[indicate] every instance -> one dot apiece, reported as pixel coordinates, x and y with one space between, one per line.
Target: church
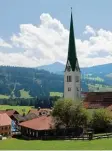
72 79
72 74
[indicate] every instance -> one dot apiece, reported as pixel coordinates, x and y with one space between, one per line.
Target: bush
70 114
101 119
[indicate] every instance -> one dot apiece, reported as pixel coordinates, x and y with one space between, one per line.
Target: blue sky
96 14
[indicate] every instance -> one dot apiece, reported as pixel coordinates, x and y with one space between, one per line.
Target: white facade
72 83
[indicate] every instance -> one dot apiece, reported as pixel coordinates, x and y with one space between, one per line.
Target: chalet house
83 95
36 128
9 112
43 128
98 100
5 125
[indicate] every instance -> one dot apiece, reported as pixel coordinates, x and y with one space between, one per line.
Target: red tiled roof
5 119
40 123
9 112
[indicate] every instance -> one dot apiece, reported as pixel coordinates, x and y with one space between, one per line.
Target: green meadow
17 108
25 94
56 94
17 144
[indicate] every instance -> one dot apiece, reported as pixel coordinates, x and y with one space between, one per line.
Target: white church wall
75 92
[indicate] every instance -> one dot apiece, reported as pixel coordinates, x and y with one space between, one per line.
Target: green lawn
99 87
14 144
17 108
56 94
24 94
4 96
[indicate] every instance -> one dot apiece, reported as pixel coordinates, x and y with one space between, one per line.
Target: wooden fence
83 137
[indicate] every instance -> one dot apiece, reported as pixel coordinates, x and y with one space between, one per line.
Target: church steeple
72 75
72 56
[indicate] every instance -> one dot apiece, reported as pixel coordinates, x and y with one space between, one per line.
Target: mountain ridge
58 67
34 82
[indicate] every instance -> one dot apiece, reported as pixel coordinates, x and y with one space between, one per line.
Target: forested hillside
30 82
19 81
95 78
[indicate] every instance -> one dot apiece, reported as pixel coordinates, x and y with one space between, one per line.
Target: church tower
72 75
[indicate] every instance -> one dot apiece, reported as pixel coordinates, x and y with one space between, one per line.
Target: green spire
72 57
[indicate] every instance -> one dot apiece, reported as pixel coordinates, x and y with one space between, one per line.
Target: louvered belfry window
69 78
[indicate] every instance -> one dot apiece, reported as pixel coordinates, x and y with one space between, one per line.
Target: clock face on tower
68 68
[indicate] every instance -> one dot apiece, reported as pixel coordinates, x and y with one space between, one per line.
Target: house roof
27 117
5 119
18 117
9 112
40 123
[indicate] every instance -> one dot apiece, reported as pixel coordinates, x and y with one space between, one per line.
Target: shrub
101 118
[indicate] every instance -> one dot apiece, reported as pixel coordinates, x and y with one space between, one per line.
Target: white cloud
4 44
48 42
89 30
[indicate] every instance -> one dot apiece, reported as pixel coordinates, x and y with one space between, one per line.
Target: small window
77 89
36 134
69 89
6 128
69 78
77 78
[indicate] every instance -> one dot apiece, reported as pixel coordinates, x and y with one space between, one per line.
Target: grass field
99 87
3 96
14 144
24 94
17 108
56 94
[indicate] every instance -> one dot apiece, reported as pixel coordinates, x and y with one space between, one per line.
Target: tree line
46 102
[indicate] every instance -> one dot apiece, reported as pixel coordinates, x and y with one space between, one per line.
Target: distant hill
98 78
28 82
59 68
56 67
105 69
35 82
